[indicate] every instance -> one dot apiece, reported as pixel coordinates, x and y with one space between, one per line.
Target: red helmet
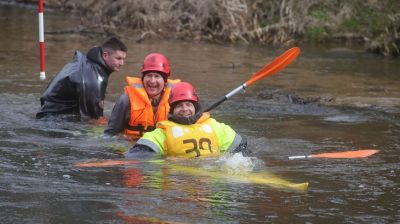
156 62
183 91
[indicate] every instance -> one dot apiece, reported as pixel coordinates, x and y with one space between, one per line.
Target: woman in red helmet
189 132
145 101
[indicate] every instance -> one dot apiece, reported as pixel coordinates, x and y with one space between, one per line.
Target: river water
330 99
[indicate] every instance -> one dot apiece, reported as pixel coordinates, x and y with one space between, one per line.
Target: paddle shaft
299 157
227 96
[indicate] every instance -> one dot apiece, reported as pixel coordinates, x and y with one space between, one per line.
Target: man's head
183 100
155 72
114 53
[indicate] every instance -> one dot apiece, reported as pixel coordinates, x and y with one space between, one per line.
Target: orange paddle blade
347 154
106 163
279 63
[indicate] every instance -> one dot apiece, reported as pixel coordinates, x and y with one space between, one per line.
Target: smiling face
184 109
114 59
153 84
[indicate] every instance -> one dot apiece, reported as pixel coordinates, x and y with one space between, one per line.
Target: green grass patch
365 19
319 13
315 34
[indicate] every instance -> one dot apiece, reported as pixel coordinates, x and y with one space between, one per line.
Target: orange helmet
156 62
182 91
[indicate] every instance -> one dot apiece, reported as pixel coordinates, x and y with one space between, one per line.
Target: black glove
242 147
139 152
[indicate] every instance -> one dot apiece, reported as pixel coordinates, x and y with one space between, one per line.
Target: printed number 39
195 147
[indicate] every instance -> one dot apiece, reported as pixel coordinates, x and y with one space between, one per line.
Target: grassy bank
371 23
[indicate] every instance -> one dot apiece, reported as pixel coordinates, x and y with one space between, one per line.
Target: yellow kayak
264 178
248 177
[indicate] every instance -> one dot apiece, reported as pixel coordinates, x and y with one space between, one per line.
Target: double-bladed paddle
277 64
339 155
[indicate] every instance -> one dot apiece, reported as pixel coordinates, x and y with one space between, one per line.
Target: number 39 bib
190 140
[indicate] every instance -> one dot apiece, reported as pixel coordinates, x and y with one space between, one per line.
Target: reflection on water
327 100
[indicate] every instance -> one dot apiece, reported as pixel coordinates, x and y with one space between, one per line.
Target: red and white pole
41 41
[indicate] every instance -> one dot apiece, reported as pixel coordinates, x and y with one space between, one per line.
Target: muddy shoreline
374 25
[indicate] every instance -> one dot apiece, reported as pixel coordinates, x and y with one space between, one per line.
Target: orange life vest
142 117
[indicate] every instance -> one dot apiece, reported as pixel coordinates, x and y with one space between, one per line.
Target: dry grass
372 22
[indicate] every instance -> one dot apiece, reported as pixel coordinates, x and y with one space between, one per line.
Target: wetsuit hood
95 55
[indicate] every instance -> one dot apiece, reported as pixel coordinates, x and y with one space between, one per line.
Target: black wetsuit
120 116
79 88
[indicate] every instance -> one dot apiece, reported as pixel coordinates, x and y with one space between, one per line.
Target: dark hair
163 75
114 44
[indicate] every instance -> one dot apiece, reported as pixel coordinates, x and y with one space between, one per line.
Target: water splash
237 163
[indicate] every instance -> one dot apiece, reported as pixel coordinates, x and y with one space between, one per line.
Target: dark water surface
328 100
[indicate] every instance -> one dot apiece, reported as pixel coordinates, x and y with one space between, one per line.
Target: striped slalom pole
41 41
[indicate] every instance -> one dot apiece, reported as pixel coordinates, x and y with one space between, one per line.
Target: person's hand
242 147
101 121
139 151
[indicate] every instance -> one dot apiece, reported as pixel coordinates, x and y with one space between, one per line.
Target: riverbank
372 24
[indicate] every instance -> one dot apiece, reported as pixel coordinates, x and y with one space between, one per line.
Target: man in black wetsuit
80 87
